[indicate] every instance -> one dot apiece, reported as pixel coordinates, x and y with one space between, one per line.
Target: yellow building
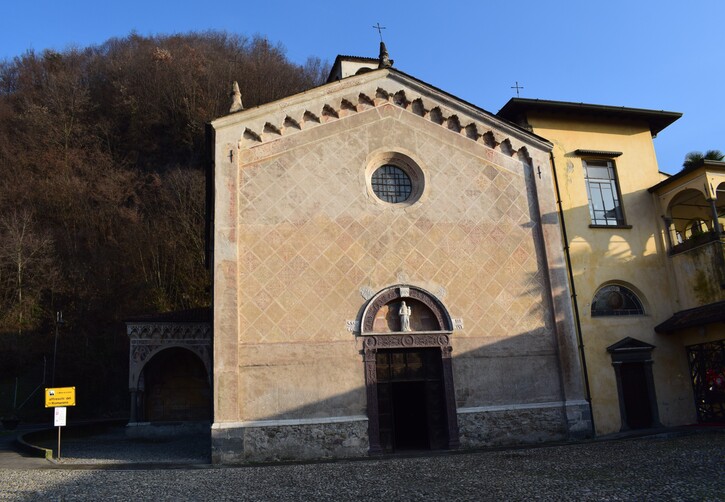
636 260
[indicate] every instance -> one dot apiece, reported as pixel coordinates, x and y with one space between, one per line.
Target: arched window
616 300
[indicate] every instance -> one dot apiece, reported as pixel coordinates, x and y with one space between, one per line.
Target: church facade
388 275
395 269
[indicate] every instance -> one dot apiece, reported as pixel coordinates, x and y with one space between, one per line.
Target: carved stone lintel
404 340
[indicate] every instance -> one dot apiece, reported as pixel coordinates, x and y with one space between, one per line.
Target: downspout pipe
575 305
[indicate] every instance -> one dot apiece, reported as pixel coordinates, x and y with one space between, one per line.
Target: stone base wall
501 426
270 441
288 441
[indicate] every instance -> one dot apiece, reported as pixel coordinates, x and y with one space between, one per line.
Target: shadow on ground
110 444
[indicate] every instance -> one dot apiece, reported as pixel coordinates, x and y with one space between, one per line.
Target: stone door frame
632 351
372 342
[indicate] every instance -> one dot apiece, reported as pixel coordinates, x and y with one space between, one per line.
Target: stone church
388 275
395 269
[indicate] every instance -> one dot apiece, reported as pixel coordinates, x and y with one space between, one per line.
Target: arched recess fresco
408 371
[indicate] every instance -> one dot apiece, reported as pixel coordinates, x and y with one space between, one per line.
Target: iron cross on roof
380 30
517 87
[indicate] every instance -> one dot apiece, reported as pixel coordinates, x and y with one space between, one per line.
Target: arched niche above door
383 312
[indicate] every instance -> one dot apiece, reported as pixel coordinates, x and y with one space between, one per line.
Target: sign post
59 398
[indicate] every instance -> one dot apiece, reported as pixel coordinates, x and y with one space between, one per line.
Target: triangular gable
337 100
628 345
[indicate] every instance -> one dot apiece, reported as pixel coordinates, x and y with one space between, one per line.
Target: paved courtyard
665 467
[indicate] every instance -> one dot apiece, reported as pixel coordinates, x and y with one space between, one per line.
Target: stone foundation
308 439
273 440
522 424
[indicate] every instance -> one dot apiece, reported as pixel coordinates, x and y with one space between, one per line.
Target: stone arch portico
149 336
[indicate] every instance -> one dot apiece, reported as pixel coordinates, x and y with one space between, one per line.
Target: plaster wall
634 257
301 242
709 333
699 273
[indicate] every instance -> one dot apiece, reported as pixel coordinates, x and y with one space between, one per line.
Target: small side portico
170 368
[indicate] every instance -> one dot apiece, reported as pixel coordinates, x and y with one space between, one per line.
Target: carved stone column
371 388
715 218
451 414
668 232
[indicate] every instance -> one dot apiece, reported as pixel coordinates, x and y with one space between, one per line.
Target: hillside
102 203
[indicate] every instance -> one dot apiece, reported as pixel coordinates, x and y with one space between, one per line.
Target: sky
660 55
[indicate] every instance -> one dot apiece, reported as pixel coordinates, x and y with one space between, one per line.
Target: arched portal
408 371
156 342
176 387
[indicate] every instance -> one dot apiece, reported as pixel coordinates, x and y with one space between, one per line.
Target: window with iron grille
707 369
603 193
391 184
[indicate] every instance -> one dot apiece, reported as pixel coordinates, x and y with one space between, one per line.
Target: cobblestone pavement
665 467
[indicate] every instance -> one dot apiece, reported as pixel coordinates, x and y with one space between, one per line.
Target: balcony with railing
692 205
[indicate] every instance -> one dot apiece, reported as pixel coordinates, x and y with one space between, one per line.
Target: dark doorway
177 387
411 401
636 396
632 362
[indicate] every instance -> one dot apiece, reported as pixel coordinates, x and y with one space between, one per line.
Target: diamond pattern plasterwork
310 238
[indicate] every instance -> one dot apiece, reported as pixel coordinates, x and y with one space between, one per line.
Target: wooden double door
411 399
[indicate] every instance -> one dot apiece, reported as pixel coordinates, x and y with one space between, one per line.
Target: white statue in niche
404 314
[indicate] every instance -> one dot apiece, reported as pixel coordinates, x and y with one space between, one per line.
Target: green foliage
696 159
102 196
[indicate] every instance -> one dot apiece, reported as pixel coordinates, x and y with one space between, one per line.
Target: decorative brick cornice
337 101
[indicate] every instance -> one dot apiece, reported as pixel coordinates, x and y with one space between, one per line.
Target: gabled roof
692 318
342 97
517 108
716 165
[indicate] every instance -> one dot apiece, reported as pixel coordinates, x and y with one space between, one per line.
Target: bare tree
27 267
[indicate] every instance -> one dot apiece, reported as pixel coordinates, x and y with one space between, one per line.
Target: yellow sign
60 396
